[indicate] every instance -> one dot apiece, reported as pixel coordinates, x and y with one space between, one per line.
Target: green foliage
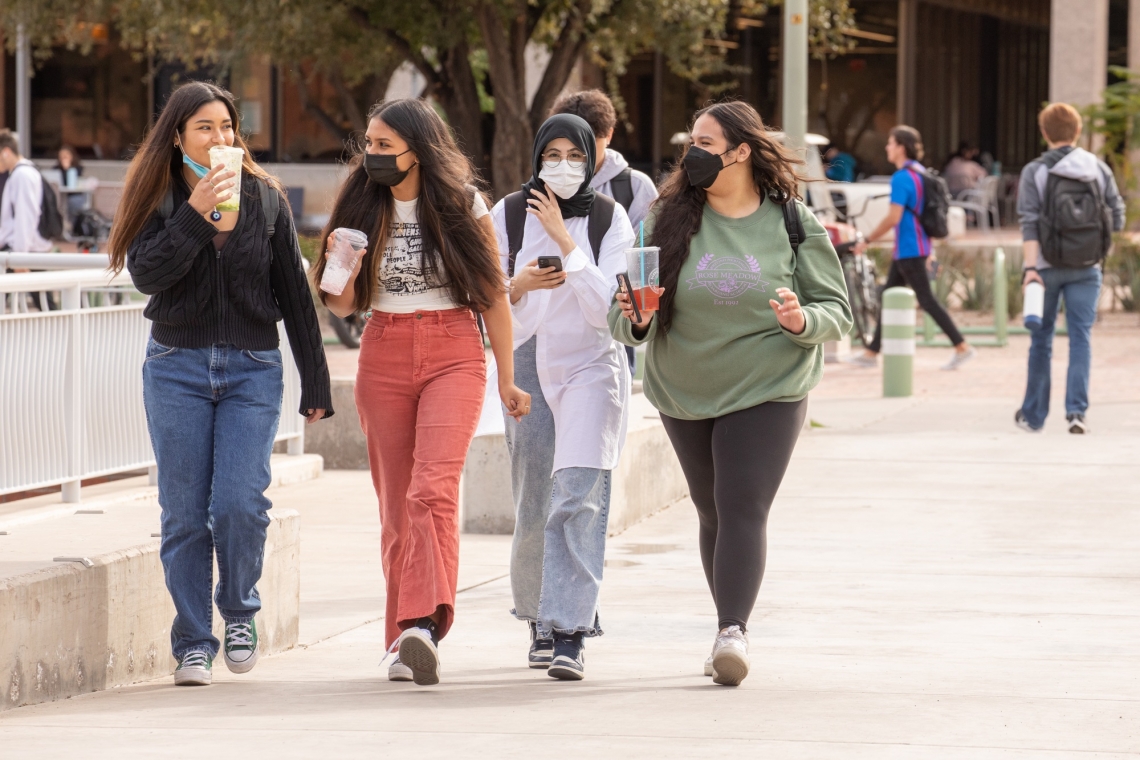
1122 274
830 19
1116 119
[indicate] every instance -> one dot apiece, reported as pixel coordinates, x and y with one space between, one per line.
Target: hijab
576 130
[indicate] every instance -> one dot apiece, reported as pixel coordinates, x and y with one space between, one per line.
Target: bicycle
858 273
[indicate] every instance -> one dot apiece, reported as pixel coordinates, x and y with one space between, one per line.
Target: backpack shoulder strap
793 225
166 208
270 205
514 209
622 188
601 217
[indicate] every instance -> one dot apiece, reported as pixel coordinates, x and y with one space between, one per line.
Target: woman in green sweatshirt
736 345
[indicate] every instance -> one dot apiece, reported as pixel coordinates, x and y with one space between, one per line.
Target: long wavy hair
158 162
679 209
453 241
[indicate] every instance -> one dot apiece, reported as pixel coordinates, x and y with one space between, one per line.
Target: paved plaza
939 585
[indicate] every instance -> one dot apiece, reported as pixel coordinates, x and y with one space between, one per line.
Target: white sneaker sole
421 657
708 667
564 672
243 667
193 677
729 668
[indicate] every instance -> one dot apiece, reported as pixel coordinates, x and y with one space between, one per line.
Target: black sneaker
1077 424
541 650
569 661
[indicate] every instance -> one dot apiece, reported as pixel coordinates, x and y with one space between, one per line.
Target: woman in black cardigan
218 282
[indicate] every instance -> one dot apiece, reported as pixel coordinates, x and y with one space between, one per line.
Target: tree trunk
511 148
459 97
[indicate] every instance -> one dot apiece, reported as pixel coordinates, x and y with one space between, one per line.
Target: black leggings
734 465
912 273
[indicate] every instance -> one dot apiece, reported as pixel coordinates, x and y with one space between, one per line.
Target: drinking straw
641 254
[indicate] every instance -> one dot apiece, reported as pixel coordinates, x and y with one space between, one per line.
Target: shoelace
195 660
239 635
395 645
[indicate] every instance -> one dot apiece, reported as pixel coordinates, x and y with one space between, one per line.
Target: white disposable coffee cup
342 259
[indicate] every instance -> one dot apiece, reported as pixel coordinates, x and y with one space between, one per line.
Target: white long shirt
20 207
581 369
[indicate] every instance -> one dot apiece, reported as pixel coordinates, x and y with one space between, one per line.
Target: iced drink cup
342 259
645 276
231 159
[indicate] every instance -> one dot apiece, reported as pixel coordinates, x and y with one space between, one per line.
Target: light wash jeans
1081 290
560 522
212 415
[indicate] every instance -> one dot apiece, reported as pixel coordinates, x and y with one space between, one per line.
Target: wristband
1029 269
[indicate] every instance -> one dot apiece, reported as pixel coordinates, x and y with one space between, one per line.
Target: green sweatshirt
725 351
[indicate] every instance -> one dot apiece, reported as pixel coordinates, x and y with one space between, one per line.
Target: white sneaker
241 649
418 652
959 358
708 666
398 671
730 656
195 669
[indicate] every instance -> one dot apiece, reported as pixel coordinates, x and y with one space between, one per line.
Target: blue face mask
196 167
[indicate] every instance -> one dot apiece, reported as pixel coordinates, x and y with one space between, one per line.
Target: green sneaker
241 646
194 670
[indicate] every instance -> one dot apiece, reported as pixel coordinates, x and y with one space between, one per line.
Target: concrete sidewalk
968 591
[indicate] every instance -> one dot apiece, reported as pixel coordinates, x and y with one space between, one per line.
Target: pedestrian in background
1069 206
429 269
912 246
218 281
21 204
613 176
563 454
737 344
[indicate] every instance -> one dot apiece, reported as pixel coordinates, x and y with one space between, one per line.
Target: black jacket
201 296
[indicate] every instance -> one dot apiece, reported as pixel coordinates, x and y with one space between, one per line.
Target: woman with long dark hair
218 281
736 345
563 454
430 267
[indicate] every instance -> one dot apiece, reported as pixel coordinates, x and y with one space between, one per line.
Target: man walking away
613 176
21 203
1069 207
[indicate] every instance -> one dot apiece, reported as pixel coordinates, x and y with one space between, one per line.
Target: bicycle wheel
863 294
348 330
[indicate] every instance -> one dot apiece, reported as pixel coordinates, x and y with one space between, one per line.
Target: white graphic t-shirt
403 286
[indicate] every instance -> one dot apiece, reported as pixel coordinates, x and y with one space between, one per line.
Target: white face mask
563 180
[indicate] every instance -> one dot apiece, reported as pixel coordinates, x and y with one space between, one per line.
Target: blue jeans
559 544
212 414
1081 291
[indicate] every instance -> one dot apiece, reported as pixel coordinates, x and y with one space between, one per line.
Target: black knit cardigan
200 296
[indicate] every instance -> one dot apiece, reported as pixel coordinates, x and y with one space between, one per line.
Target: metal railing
71 405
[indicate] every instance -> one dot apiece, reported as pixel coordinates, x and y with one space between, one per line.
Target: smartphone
545 262
625 286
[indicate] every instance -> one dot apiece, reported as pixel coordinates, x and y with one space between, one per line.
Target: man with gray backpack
1069 207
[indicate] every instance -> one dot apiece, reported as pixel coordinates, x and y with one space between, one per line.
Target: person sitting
963 172
841 165
70 169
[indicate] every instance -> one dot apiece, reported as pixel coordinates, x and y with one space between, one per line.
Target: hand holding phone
545 262
626 287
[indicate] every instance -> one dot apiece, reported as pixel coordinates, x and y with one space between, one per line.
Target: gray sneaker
1077 424
960 357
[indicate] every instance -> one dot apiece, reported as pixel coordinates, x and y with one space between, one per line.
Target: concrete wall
71 629
1078 51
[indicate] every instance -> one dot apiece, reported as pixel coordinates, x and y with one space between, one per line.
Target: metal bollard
898 342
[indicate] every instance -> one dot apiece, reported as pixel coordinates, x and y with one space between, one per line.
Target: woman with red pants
430 265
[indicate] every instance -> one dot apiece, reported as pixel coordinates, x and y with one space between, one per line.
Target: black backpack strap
270 205
601 217
621 188
514 210
793 225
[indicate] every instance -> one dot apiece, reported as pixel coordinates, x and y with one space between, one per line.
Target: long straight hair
158 162
680 208
454 242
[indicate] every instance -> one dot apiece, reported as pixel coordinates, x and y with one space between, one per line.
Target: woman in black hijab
563 453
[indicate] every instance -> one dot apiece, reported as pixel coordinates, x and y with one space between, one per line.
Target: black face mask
383 170
702 167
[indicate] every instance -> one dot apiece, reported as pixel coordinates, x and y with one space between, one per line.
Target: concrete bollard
898 342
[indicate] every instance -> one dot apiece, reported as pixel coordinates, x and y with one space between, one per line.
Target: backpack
514 208
270 205
621 188
935 203
1075 225
51 220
